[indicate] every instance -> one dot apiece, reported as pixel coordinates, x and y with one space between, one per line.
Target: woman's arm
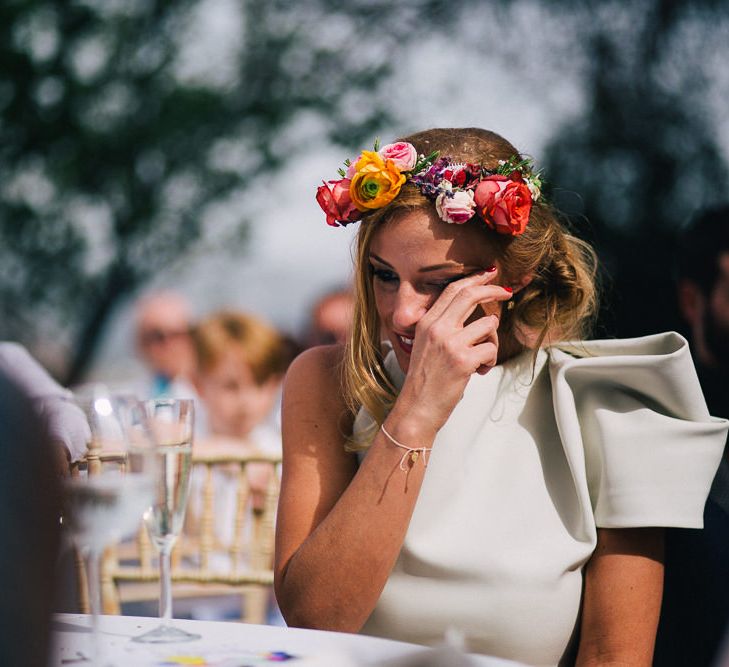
339 528
622 601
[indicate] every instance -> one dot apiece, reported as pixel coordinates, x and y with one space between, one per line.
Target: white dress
532 460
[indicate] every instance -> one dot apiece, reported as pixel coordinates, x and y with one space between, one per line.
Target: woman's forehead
417 234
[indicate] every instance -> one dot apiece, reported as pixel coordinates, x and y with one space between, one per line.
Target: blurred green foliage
112 148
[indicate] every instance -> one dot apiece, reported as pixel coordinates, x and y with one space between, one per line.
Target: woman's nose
408 308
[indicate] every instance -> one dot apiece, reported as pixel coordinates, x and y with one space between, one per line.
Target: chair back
226 545
92 464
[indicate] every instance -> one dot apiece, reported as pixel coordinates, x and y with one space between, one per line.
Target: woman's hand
453 340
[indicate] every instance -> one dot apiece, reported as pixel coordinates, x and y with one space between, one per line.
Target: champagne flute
171 421
107 505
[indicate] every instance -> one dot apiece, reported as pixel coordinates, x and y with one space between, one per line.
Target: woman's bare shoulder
319 366
315 418
314 382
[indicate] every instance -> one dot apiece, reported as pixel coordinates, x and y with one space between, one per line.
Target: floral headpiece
501 197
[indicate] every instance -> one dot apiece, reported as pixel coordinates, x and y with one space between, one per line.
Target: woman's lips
406 344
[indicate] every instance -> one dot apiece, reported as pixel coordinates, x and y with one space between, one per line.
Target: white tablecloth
234 645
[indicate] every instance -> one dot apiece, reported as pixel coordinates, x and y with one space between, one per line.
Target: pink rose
504 202
334 199
352 168
457 208
403 155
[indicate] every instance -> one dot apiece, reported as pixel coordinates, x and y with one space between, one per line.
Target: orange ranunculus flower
375 183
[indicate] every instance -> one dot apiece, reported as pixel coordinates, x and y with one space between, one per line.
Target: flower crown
501 197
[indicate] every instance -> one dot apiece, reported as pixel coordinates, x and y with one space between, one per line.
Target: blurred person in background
65 433
331 318
695 609
162 333
240 363
62 420
703 299
29 515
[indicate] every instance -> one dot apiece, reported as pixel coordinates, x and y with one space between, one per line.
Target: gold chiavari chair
92 464
129 571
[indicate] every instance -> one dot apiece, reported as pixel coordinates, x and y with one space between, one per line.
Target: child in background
240 364
241 361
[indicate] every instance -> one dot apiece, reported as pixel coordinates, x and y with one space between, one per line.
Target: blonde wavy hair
559 302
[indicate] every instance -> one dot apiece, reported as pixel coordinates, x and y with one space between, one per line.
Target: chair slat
196 556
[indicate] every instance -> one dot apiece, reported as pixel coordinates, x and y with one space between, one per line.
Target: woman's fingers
469 298
480 330
486 356
477 345
455 317
451 291
460 299
447 326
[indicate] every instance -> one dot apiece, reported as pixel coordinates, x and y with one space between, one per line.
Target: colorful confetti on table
239 660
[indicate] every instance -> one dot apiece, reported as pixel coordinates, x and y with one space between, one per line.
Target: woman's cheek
381 301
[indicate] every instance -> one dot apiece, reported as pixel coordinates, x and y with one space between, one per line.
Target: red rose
334 199
459 178
456 177
504 202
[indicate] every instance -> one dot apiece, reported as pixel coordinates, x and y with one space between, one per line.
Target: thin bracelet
413 453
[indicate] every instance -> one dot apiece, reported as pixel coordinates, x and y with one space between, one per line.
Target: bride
485 468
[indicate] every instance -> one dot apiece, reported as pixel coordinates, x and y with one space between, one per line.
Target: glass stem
165 581
93 560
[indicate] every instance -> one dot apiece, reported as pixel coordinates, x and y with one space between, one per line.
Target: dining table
235 644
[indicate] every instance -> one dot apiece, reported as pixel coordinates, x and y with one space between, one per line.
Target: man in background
331 318
162 331
695 610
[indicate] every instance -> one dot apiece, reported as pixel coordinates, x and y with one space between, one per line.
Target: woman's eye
442 284
384 275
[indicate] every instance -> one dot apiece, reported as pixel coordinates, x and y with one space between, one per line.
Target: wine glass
171 421
107 505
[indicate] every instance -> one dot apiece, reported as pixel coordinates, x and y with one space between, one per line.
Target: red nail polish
508 289
490 269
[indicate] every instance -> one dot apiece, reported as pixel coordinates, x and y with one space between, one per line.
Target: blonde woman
478 471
